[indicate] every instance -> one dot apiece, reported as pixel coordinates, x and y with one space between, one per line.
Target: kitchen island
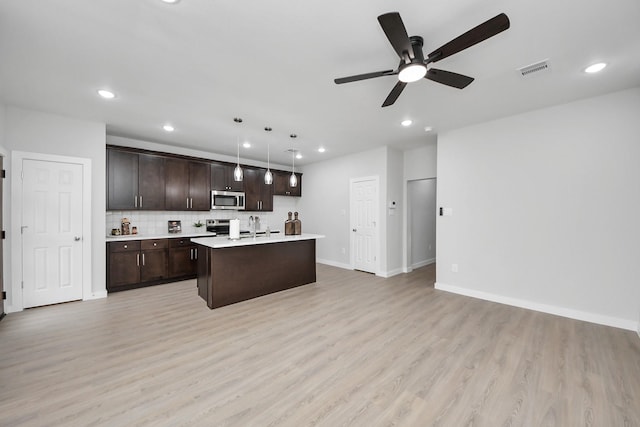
231 271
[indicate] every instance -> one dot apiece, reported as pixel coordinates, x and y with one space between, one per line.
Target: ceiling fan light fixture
412 73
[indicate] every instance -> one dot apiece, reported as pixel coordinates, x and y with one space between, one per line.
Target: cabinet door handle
195 253
135 201
143 260
191 254
187 203
140 202
191 203
138 260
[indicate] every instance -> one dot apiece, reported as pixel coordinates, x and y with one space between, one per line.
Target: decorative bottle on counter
124 226
288 225
297 224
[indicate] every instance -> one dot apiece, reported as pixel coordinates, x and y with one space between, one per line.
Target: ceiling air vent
536 68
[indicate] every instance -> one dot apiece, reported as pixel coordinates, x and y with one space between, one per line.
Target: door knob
77 239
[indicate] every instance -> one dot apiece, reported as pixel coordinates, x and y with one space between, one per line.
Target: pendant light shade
237 172
293 179
268 176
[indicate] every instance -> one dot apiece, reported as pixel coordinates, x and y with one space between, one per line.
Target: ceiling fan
413 65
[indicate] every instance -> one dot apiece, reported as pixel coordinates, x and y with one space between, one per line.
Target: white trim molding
543 308
334 263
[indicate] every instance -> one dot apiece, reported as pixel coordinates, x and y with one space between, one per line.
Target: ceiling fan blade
487 29
364 76
448 78
393 27
394 94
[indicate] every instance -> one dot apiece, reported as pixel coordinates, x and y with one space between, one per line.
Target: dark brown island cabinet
138 263
223 276
222 178
135 181
187 185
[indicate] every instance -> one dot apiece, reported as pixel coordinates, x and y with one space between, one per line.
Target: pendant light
268 176
293 179
237 172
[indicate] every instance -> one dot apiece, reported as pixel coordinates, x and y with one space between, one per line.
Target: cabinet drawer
180 243
130 246
154 244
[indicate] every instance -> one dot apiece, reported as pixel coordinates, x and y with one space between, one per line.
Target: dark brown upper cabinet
222 178
258 195
281 185
135 181
187 185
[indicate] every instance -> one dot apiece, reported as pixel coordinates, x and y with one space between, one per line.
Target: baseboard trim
391 273
423 263
334 263
96 295
544 308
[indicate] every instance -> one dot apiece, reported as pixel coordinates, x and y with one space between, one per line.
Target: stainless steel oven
233 200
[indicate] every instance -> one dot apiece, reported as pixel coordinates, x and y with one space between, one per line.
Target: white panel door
51 232
364 205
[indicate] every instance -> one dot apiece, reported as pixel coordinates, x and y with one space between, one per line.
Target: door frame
17 157
376 250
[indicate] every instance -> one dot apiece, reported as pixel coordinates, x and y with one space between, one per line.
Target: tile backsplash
155 222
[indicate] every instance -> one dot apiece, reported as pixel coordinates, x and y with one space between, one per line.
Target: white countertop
129 237
225 242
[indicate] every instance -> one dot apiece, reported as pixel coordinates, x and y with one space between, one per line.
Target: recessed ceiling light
170 1
406 122
428 129
298 156
321 150
595 67
246 145
168 128
106 94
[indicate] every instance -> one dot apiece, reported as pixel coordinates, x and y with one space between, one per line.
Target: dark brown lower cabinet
183 258
138 263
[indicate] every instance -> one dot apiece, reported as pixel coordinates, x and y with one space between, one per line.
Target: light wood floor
351 350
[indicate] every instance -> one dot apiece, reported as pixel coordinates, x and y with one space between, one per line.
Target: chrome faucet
252 224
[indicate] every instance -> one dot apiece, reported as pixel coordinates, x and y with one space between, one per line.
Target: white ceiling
200 63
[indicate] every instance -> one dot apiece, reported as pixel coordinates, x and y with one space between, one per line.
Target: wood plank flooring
351 350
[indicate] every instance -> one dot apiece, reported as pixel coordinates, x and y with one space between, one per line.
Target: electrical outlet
454 268
429 247
344 251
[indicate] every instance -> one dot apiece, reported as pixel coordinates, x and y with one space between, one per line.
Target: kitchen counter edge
130 237
225 242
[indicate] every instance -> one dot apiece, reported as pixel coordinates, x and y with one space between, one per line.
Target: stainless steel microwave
232 200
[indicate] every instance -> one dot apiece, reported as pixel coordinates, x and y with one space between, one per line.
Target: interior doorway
421 222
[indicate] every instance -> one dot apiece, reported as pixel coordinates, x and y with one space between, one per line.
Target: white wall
421 162
38 132
325 202
545 209
395 217
421 196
